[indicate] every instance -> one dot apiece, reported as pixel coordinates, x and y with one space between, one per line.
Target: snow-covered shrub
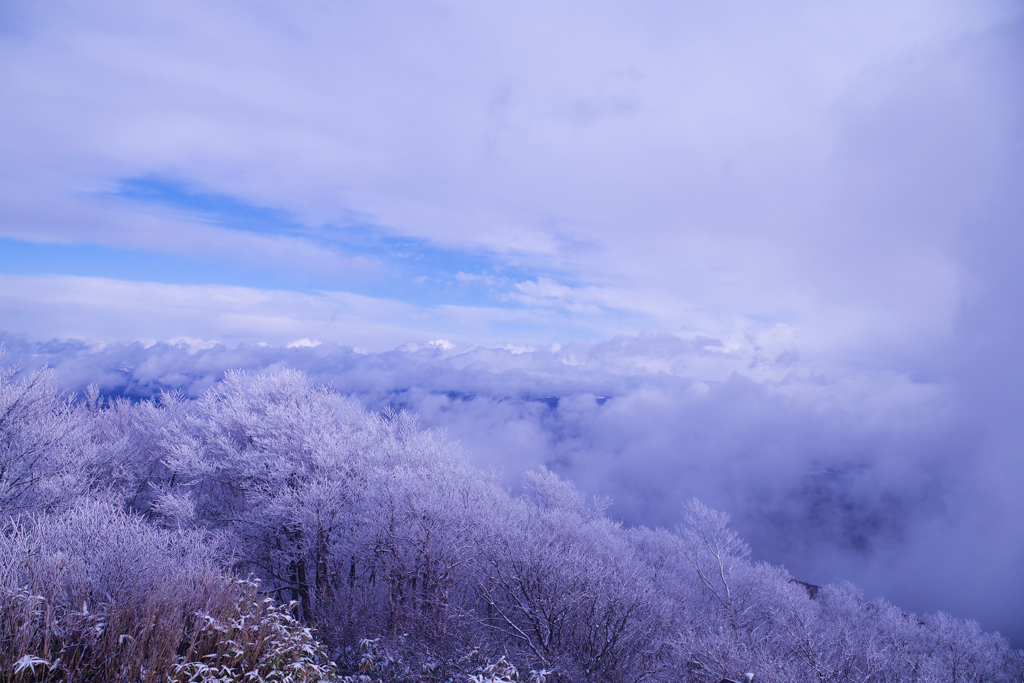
501 671
97 594
258 642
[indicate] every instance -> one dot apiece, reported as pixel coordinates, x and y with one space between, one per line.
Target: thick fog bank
903 486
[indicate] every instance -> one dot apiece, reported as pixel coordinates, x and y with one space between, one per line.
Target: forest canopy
273 529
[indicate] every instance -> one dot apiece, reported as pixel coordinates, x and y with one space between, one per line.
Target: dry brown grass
98 595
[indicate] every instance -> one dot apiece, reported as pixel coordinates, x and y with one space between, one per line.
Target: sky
761 253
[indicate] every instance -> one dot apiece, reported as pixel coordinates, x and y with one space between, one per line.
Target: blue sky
574 195
409 269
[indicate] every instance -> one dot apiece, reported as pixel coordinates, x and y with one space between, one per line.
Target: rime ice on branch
377 532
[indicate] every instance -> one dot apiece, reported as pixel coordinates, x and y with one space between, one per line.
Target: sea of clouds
878 477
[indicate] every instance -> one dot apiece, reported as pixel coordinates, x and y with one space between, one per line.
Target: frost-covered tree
409 563
562 582
46 457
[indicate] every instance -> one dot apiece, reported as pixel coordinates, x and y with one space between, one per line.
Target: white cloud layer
105 308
